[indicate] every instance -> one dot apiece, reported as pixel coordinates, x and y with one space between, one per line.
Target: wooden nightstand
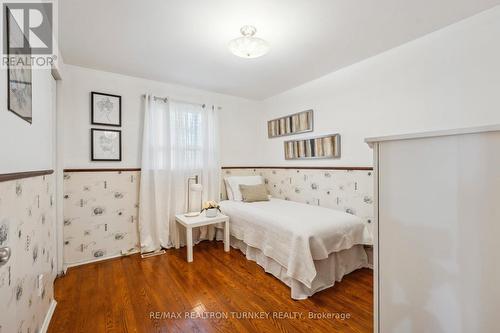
199 221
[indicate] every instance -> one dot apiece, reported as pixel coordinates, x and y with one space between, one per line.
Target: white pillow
228 190
235 182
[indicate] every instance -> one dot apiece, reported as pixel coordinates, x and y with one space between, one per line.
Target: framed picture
301 122
106 145
321 147
106 109
19 83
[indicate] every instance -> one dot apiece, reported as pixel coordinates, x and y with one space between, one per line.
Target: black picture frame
92 149
19 75
93 121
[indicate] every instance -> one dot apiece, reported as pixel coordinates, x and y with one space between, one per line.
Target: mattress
297 237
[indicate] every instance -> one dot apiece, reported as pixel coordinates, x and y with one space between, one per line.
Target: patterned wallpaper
27 226
346 190
101 208
100 220
100 214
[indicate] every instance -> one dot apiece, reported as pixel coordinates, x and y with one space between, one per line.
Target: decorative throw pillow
235 182
253 193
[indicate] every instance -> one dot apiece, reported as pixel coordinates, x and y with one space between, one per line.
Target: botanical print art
18 73
106 109
106 145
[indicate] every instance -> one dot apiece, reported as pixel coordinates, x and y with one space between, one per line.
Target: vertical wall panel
439 226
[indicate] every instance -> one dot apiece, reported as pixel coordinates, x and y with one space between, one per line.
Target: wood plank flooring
213 294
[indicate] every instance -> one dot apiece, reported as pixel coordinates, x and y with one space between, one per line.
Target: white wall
239 117
25 146
447 79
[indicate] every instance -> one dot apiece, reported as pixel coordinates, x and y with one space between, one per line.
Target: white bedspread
295 234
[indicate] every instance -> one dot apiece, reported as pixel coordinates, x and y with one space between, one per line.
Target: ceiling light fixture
248 46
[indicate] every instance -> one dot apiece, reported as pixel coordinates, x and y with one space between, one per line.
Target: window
186 123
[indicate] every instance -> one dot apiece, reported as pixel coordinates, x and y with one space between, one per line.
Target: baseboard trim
91 261
48 317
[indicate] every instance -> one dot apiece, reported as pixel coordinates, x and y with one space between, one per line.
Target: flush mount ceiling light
248 46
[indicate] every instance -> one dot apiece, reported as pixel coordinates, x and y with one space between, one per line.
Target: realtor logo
27 28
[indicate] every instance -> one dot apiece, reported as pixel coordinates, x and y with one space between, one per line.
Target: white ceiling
185 41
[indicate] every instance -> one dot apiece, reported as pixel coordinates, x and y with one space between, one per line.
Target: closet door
439 222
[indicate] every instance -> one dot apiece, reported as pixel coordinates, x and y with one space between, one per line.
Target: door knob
4 255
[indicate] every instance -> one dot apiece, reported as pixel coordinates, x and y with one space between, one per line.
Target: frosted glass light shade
248 46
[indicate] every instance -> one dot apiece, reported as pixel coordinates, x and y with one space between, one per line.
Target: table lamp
193 187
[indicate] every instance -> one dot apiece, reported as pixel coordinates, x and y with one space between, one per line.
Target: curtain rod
166 99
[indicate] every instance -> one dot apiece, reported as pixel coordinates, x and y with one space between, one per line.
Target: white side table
199 221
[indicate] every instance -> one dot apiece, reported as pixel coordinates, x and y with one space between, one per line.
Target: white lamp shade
196 187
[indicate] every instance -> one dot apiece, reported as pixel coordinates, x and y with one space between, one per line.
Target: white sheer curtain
156 177
180 143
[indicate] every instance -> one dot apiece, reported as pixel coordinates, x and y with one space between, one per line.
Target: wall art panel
297 123
321 147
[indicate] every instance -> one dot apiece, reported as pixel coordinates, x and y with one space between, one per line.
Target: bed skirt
328 270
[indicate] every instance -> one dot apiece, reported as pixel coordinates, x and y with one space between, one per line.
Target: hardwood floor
131 294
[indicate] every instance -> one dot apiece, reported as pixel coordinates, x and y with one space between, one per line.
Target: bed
307 247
